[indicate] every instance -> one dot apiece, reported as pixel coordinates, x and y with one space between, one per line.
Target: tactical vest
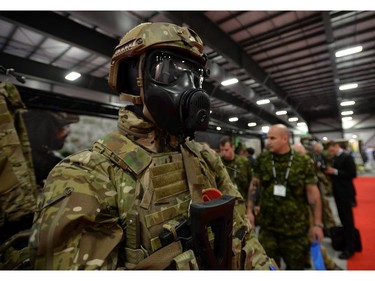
163 197
148 193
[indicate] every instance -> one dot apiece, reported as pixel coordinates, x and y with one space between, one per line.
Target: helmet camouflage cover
148 36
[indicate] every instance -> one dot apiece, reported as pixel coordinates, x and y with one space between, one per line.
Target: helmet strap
135 99
145 110
130 98
147 114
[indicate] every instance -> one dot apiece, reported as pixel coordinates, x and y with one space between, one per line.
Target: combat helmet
140 40
159 68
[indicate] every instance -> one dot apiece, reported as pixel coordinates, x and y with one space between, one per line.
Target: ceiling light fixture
218 128
301 124
348 118
347 112
233 119
348 86
230 81
293 119
251 124
281 112
347 103
265 101
72 76
265 129
348 51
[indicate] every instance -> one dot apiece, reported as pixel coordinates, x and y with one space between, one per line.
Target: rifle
217 214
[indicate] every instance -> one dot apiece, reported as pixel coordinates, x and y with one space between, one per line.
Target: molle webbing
168 179
167 214
162 258
165 196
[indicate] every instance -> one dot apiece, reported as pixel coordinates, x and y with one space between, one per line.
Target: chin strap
136 99
131 98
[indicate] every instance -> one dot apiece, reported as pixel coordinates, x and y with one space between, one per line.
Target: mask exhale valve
194 111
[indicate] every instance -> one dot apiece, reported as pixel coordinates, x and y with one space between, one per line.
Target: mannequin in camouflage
288 186
105 207
18 190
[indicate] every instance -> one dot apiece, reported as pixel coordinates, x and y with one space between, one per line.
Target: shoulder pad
124 152
10 92
194 147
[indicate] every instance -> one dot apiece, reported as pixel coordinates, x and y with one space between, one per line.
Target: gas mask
173 93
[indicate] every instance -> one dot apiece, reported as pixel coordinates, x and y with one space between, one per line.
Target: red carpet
364 218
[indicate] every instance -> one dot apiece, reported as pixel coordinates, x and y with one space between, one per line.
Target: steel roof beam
53 73
214 36
223 96
63 28
331 47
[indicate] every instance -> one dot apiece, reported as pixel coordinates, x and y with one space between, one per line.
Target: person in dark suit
342 174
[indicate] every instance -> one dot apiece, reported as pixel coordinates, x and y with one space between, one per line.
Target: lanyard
287 170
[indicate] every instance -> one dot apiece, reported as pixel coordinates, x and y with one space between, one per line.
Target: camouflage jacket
240 172
18 186
288 215
85 218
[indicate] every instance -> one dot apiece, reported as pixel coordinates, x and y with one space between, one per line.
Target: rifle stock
218 214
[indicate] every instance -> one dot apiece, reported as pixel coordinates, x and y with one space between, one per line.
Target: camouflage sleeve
79 226
256 257
310 175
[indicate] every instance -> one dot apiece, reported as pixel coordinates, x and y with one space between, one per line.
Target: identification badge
279 190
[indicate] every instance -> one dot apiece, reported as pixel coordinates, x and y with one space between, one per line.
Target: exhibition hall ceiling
286 63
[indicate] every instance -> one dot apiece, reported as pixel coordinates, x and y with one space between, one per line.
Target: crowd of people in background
330 180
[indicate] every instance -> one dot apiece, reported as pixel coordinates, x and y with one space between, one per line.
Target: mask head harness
160 67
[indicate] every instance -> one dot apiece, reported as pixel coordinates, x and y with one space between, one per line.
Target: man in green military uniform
288 185
105 207
238 167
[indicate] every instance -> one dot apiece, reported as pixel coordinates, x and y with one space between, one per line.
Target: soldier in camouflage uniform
17 181
288 185
238 167
104 207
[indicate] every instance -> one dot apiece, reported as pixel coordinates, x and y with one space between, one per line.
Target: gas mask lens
166 68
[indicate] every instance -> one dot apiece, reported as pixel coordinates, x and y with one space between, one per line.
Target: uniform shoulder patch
124 152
